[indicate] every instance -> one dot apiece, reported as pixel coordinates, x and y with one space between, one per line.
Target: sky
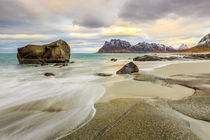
86 24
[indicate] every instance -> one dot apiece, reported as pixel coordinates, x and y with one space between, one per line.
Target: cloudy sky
87 24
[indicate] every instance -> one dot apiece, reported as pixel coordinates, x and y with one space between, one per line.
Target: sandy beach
128 106
88 100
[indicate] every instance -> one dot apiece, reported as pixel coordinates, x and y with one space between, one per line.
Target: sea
36 107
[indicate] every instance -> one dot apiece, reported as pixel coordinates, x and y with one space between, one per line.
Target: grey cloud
92 20
13 13
42 14
150 10
98 13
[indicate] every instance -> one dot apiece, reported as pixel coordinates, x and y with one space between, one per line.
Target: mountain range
183 47
202 46
121 46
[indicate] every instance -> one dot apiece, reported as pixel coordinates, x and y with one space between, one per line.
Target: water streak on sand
33 106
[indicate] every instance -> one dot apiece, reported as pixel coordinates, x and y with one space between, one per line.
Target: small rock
57 64
65 65
114 59
153 58
128 69
147 58
61 64
44 64
103 74
49 74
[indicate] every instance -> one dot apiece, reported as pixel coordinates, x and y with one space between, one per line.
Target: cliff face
120 46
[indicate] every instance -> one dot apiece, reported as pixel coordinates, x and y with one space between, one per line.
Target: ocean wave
33 106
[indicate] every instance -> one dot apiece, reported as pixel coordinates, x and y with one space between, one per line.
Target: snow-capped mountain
183 47
205 41
120 46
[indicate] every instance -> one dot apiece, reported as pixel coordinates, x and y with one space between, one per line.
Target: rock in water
49 74
113 59
154 58
128 69
55 52
103 74
147 58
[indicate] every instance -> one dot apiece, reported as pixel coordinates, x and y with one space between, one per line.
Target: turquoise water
11 59
51 107
55 105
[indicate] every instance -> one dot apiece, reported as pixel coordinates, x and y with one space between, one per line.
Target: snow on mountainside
120 46
205 41
183 47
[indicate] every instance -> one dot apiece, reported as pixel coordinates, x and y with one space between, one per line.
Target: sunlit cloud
9 48
79 44
26 36
83 35
86 49
123 29
86 24
176 42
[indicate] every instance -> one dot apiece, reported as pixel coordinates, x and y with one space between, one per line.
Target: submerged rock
49 74
44 64
153 58
128 69
114 59
61 64
147 58
55 52
103 74
197 56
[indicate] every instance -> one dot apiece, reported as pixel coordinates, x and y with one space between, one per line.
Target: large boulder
128 69
55 52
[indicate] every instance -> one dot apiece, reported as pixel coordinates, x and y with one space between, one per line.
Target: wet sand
142 89
177 71
123 119
153 108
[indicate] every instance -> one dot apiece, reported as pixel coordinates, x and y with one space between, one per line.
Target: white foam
33 106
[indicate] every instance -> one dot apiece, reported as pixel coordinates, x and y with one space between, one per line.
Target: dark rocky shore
183 57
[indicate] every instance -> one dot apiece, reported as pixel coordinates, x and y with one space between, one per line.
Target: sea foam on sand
33 106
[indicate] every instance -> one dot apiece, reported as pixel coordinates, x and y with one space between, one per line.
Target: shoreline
113 96
164 87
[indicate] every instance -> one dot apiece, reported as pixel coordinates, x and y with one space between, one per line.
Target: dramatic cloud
85 25
50 13
99 13
151 10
